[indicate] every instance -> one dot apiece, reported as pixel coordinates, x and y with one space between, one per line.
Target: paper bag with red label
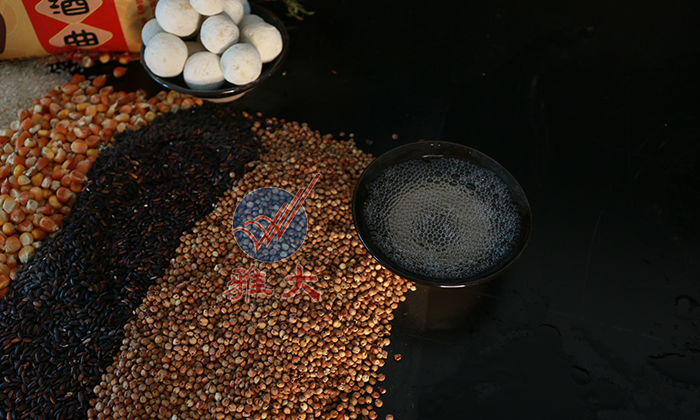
32 28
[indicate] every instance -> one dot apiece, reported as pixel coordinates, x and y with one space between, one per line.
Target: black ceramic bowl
228 91
433 151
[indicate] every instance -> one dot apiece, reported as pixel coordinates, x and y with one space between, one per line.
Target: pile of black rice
62 322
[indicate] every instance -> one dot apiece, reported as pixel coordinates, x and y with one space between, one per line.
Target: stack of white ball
232 43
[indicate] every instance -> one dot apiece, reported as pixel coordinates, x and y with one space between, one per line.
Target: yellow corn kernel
18 170
53 202
48 153
37 178
9 204
26 238
26 253
8 228
150 116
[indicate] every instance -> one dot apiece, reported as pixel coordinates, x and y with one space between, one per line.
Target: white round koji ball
208 7
149 29
246 6
248 19
203 71
165 54
194 47
177 17
266 38
218 33
235 10
241 64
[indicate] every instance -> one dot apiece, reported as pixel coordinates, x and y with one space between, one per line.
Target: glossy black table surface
595 108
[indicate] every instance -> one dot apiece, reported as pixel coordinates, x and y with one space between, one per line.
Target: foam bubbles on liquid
444 218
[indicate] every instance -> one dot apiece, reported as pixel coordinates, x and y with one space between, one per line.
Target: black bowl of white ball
441 214
223 90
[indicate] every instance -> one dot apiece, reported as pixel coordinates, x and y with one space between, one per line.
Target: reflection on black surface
437 311
683 200
581 327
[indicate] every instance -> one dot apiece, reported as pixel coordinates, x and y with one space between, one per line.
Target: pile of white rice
23 81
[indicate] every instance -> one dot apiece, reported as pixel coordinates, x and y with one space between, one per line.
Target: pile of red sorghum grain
193 353
47 152
62 321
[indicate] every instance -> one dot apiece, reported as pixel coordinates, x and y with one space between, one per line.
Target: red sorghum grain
192 352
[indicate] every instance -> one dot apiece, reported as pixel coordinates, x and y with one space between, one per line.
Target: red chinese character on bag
250 282
299 281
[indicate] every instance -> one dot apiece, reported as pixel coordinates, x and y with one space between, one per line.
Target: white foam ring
444 219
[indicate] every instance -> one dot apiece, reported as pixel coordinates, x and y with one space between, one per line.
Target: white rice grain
23 81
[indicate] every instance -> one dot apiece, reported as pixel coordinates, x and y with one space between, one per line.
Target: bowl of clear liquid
441 214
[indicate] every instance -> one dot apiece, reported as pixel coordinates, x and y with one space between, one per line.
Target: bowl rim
177 83
421 149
